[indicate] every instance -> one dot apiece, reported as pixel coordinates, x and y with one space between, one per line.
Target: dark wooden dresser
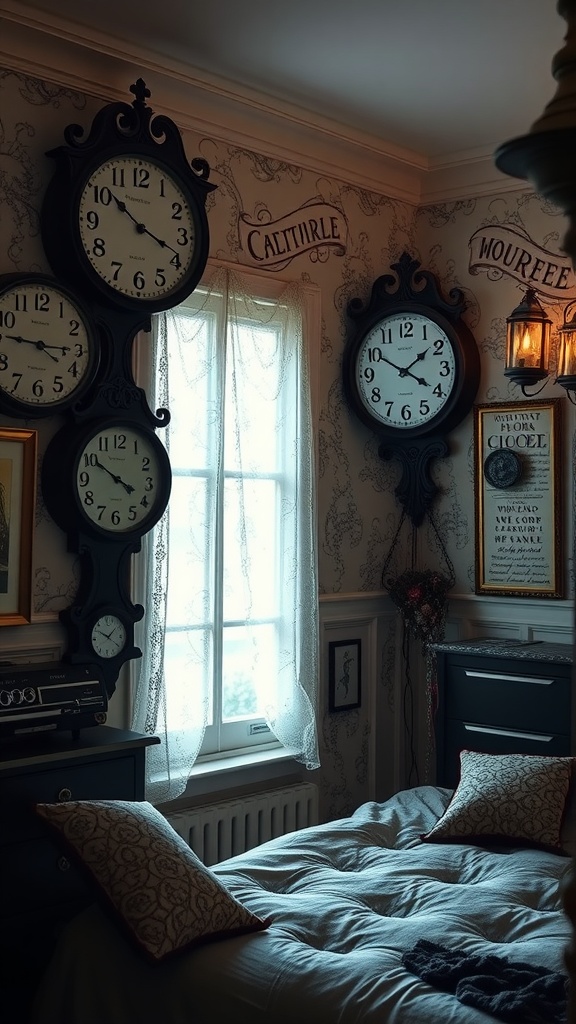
39 888
500 697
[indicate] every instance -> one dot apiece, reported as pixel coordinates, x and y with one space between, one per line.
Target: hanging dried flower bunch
421 596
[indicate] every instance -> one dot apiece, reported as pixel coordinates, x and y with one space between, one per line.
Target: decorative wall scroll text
499 249
273 244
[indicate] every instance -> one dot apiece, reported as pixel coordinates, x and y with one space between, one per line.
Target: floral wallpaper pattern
358 512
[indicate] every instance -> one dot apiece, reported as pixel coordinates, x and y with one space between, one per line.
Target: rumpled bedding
347 900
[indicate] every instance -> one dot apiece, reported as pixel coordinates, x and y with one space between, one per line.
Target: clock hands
405 371
42 346
140 227
117 479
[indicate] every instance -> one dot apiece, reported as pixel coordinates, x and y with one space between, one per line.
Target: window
230 652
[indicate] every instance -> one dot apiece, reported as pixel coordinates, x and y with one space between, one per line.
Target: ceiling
436 77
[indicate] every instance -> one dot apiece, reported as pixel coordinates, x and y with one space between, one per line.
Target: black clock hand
117 479
419 357
42 346
404 371
140 227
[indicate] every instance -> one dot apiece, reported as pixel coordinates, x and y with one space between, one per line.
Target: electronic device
41 697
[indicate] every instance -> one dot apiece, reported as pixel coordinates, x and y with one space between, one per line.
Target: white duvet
346 900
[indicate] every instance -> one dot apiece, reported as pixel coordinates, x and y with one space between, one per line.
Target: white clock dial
405 370
47 346
122 479
108 636
136 227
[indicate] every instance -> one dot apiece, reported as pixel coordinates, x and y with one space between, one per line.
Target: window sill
254 770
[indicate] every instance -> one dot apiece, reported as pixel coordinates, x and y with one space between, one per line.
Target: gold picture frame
18 448
518 501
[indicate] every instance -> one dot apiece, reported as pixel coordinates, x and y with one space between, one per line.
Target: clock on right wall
411 372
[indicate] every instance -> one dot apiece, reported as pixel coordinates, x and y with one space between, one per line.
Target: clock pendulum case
124 224
411 371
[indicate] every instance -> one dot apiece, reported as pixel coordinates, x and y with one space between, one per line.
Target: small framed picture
344 674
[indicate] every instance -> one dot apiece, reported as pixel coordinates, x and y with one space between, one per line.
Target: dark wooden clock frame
117 129
417 291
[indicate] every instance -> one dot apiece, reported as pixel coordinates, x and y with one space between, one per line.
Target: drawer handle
64 795
508 678
513 733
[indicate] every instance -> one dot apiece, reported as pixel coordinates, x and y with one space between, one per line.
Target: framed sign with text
517 472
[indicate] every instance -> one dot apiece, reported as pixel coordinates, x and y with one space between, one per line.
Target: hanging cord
421 596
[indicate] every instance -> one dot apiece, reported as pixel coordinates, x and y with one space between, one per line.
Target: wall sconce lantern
567 352
527 342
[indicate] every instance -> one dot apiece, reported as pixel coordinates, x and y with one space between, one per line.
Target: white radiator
218 831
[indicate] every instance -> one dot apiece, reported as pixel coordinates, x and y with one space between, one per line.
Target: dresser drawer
46 877
512 697
115 777
489 739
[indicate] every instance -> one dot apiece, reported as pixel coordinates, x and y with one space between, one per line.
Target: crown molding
42 45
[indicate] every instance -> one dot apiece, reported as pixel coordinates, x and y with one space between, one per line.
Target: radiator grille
218 831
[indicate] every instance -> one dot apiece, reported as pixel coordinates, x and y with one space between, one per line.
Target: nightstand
498 698
39 887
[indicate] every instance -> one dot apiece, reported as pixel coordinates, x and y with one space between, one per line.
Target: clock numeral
445 368
102 195
139 280
176 211
175 261
406 413
92 219
438 391
118 177
42 302
160 278
118 268
438 346
183 237
7 319
424 407
149 485
368 374
21 303
141 177
375 354
99 247
3 361
16 377
375 395
74 328
132 513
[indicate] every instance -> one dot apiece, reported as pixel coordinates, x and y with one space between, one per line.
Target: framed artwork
344 674
518 500
17 501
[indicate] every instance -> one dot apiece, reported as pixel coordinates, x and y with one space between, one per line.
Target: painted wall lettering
272 245
500 249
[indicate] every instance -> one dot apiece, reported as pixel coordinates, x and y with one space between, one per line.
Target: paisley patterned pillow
164 896
518 799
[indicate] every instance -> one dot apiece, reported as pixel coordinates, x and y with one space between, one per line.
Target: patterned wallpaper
361 235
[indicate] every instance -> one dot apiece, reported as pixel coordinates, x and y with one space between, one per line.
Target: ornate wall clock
49 349
124 224
411 371
124 215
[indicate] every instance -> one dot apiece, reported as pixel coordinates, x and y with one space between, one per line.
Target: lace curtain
179 714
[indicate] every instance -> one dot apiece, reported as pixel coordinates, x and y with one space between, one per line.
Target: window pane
249 664
188 664
191 553
250 556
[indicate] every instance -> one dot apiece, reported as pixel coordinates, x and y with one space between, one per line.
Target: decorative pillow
518 799
166 899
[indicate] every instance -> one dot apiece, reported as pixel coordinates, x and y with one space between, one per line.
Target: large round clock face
122 479
405 371
108 636
48 350
137 228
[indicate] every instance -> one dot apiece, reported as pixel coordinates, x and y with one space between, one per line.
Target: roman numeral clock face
137 228
405 371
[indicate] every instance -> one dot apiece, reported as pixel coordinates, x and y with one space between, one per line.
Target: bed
350 922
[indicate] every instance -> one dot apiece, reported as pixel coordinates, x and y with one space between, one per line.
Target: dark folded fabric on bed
511 991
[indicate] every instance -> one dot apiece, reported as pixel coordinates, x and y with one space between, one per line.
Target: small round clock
121 479
111 478
49 350
108 636
407 375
